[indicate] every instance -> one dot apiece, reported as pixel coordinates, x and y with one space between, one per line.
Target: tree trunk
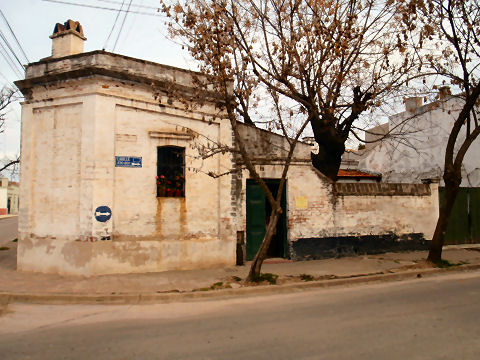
451 191
331 146
256 266
327 162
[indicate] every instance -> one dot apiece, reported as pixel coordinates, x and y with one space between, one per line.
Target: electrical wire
103 8
14 36
134 5
11 50
133 20
114 23
9 61
5 78
8 58
121 26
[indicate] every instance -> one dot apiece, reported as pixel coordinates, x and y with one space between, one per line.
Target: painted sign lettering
128 161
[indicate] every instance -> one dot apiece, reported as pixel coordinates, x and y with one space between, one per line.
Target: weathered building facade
91 134
325 219
133 191
9 197
421 154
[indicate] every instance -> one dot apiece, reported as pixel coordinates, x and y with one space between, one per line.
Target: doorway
258 217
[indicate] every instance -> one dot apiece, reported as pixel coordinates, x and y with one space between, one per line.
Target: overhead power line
134 5
14 36
11 49
10 61
104 8
121 26
114 23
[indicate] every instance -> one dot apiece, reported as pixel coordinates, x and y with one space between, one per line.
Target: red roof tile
346 173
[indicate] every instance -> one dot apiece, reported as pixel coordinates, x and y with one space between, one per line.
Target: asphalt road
434 318
8 229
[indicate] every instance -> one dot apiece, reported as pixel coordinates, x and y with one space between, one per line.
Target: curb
156 298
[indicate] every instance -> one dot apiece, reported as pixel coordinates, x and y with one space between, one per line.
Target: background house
9 197
420 154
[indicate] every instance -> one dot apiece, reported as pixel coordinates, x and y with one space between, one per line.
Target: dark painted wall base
332 247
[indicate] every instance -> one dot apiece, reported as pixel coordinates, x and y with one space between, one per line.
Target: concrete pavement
8 229
182 285
434 318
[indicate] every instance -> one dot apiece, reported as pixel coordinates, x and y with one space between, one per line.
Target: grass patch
446 264
4 248
306 277
217 285
269 277
15 240
237 278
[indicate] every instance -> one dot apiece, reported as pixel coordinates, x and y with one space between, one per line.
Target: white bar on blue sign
128 161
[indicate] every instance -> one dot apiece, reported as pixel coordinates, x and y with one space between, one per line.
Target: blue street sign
103 213
128 161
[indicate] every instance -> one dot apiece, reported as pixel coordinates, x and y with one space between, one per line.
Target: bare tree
226 71
322 63
335 59
449 42
7 96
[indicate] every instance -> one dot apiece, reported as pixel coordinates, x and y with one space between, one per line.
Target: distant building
420 154
9 197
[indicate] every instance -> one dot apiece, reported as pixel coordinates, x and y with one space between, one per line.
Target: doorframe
283 221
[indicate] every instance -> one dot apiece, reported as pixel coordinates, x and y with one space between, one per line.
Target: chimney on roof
67 39
444 92
412 103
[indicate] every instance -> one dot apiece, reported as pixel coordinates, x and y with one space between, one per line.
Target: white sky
33 21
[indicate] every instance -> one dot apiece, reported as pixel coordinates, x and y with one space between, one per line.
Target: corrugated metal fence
464 224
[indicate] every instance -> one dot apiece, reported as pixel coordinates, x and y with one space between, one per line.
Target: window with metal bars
170 171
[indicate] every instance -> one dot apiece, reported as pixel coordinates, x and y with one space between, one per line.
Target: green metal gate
255 218
257 212
464 223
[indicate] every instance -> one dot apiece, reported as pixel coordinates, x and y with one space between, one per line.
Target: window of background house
170 171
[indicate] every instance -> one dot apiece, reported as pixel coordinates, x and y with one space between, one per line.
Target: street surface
431 318
8 230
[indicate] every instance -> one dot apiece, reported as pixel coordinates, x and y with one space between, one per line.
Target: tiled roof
348 173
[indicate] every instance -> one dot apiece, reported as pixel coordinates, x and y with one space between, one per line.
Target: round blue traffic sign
103 213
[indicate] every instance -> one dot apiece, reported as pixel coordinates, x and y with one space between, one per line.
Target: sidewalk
178 285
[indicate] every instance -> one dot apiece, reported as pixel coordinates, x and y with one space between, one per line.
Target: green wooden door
464 223
475 214
457 229
255 218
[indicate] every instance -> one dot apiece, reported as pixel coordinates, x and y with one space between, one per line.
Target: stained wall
73 127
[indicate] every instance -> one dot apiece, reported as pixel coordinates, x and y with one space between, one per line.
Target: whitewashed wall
421 153
71 132
316 209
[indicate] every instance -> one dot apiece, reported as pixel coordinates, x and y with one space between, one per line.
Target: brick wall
381 189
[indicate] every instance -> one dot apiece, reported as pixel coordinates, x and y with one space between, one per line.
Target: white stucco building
9 197
113 181
420 154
